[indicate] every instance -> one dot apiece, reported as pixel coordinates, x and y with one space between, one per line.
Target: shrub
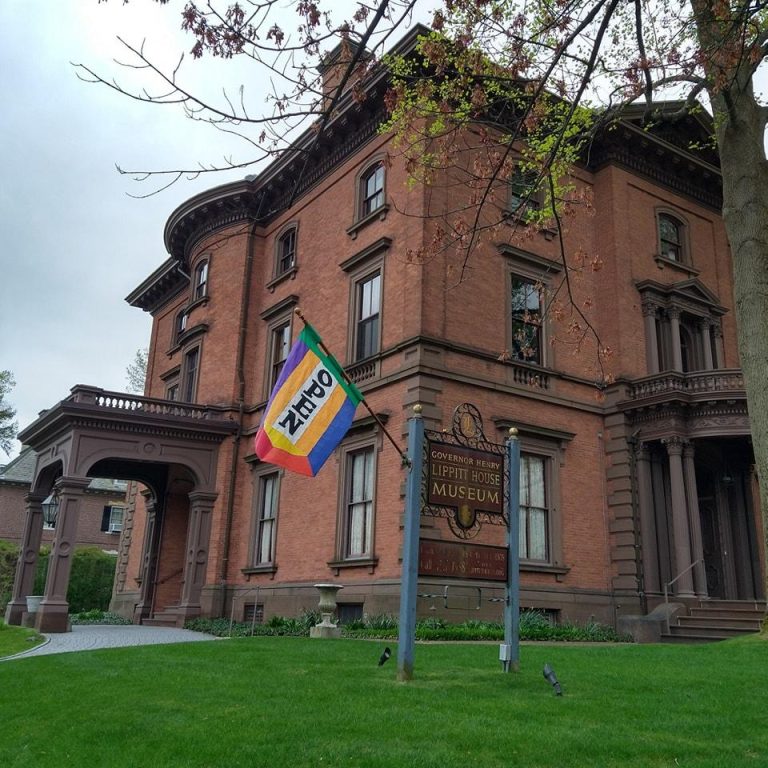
431 622
276 626
90 583
90 580
9 555
42 570
380 621
533 626
97 616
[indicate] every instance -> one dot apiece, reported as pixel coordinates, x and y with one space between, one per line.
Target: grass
17 639
295 702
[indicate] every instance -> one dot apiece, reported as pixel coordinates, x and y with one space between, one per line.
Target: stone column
650 312
647 520
717 328
694 520
680 527
53 615
27 563
198 540
149 559
706 343
674 336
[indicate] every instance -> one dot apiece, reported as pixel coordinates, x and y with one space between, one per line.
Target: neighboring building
102 513
651 482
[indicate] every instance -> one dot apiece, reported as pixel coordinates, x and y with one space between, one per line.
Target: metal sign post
509 651
409 578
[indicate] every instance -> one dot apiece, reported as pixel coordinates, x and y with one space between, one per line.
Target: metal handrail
668 584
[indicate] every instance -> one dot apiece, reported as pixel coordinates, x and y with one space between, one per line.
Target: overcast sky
74 243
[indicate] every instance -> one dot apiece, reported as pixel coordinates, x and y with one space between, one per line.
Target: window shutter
105 515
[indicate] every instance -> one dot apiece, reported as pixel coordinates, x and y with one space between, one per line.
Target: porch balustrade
722 381
122 402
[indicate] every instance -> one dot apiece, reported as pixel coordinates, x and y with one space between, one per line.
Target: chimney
334 65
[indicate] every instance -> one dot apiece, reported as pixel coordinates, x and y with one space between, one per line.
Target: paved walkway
88 637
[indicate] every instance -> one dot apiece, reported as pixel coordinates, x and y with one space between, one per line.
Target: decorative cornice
690 294
539 263
653 157
262 198
159 288
286 304
382 244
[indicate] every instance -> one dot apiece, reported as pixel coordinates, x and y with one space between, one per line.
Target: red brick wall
616 243
89 533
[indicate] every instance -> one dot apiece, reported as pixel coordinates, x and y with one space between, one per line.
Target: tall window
172 393
534 510
671 233
191 365
526 315
181 323
372 190
201 280
286 251
522 190
281 345
264 553
359 504
368 314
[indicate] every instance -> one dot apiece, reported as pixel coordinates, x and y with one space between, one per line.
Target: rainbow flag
309 411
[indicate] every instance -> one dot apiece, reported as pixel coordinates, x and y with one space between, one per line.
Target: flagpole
406 461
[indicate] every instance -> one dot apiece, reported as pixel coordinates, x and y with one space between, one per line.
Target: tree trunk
740 128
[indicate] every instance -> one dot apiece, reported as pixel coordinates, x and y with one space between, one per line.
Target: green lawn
296 702
17 639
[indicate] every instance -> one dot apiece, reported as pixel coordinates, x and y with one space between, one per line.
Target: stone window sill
378 215
362 562
663 261
269 568
530 566
289 274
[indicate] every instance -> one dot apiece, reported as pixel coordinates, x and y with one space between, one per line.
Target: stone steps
715 620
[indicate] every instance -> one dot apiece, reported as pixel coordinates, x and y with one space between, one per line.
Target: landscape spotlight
551 678
384 656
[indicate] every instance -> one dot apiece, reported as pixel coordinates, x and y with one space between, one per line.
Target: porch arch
94 433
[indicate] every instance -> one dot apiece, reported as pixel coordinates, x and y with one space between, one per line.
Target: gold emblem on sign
465 516
467 425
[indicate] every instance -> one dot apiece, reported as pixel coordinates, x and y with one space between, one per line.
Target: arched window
372 189
201 280
181 324
671 238
286 251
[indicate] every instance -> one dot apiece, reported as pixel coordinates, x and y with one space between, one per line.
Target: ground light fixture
50 509
384 656
551 678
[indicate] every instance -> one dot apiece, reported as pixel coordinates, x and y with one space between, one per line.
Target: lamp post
51 509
